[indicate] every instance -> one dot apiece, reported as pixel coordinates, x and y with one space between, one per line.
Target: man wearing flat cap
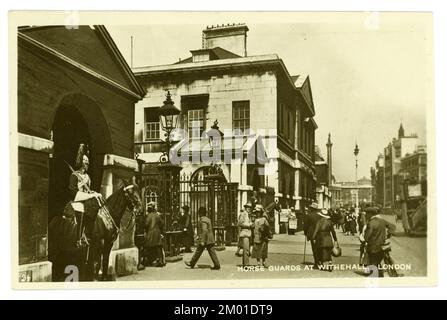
310 222
186 228
205 241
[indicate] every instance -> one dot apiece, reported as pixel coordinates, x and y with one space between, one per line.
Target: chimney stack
231 37
329 160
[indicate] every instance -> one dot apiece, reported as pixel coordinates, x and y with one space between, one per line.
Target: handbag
336 250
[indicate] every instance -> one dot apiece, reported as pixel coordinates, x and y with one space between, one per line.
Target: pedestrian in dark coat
361 221
353 225
205 241
310 222
262 235
324 237
376 235
186 226
153 242
341 220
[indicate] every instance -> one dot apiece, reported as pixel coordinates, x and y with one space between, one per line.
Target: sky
368 72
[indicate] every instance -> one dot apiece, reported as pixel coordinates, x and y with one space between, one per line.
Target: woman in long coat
261 237
324 236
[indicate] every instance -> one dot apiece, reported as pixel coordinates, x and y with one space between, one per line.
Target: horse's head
132 193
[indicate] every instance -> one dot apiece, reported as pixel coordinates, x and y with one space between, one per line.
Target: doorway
69 130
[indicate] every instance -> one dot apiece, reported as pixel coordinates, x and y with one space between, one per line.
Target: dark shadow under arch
78 119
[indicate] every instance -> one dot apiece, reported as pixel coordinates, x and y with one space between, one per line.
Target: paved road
286 261
409 250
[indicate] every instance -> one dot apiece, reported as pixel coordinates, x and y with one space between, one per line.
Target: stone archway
203 172
78 119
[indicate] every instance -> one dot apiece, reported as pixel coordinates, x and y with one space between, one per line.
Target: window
284 128
151 124
193 114
241 116
195 123
291 135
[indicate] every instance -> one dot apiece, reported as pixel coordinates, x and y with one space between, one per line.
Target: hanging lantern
168 114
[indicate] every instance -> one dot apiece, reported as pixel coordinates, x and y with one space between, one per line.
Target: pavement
286 260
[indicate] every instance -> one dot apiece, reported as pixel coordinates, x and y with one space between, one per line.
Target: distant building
394 152
336 195
414 166
350 191
377 181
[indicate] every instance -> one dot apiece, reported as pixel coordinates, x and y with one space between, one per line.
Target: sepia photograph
218 149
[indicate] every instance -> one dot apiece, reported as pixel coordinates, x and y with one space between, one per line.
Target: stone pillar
124 255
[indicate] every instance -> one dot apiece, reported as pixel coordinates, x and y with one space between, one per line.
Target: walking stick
304 257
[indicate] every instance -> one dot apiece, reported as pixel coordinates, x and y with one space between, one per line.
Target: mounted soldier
88 226
79 183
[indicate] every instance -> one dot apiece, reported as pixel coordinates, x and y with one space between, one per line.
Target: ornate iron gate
219 198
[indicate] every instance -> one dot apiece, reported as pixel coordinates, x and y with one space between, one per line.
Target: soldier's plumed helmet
82 151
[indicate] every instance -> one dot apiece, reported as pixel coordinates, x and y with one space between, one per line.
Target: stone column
124 255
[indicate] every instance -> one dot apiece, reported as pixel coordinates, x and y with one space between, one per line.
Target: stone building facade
393 153
414 166
349 192
377 180
255 101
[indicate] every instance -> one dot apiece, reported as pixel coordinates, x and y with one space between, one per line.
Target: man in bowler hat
205 241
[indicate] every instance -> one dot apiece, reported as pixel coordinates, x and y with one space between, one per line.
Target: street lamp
216 176
356 152
168 118
215 138
169 180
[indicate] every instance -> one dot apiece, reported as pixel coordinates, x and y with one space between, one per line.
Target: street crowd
255 230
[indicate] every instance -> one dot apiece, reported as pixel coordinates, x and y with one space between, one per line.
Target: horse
98 228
